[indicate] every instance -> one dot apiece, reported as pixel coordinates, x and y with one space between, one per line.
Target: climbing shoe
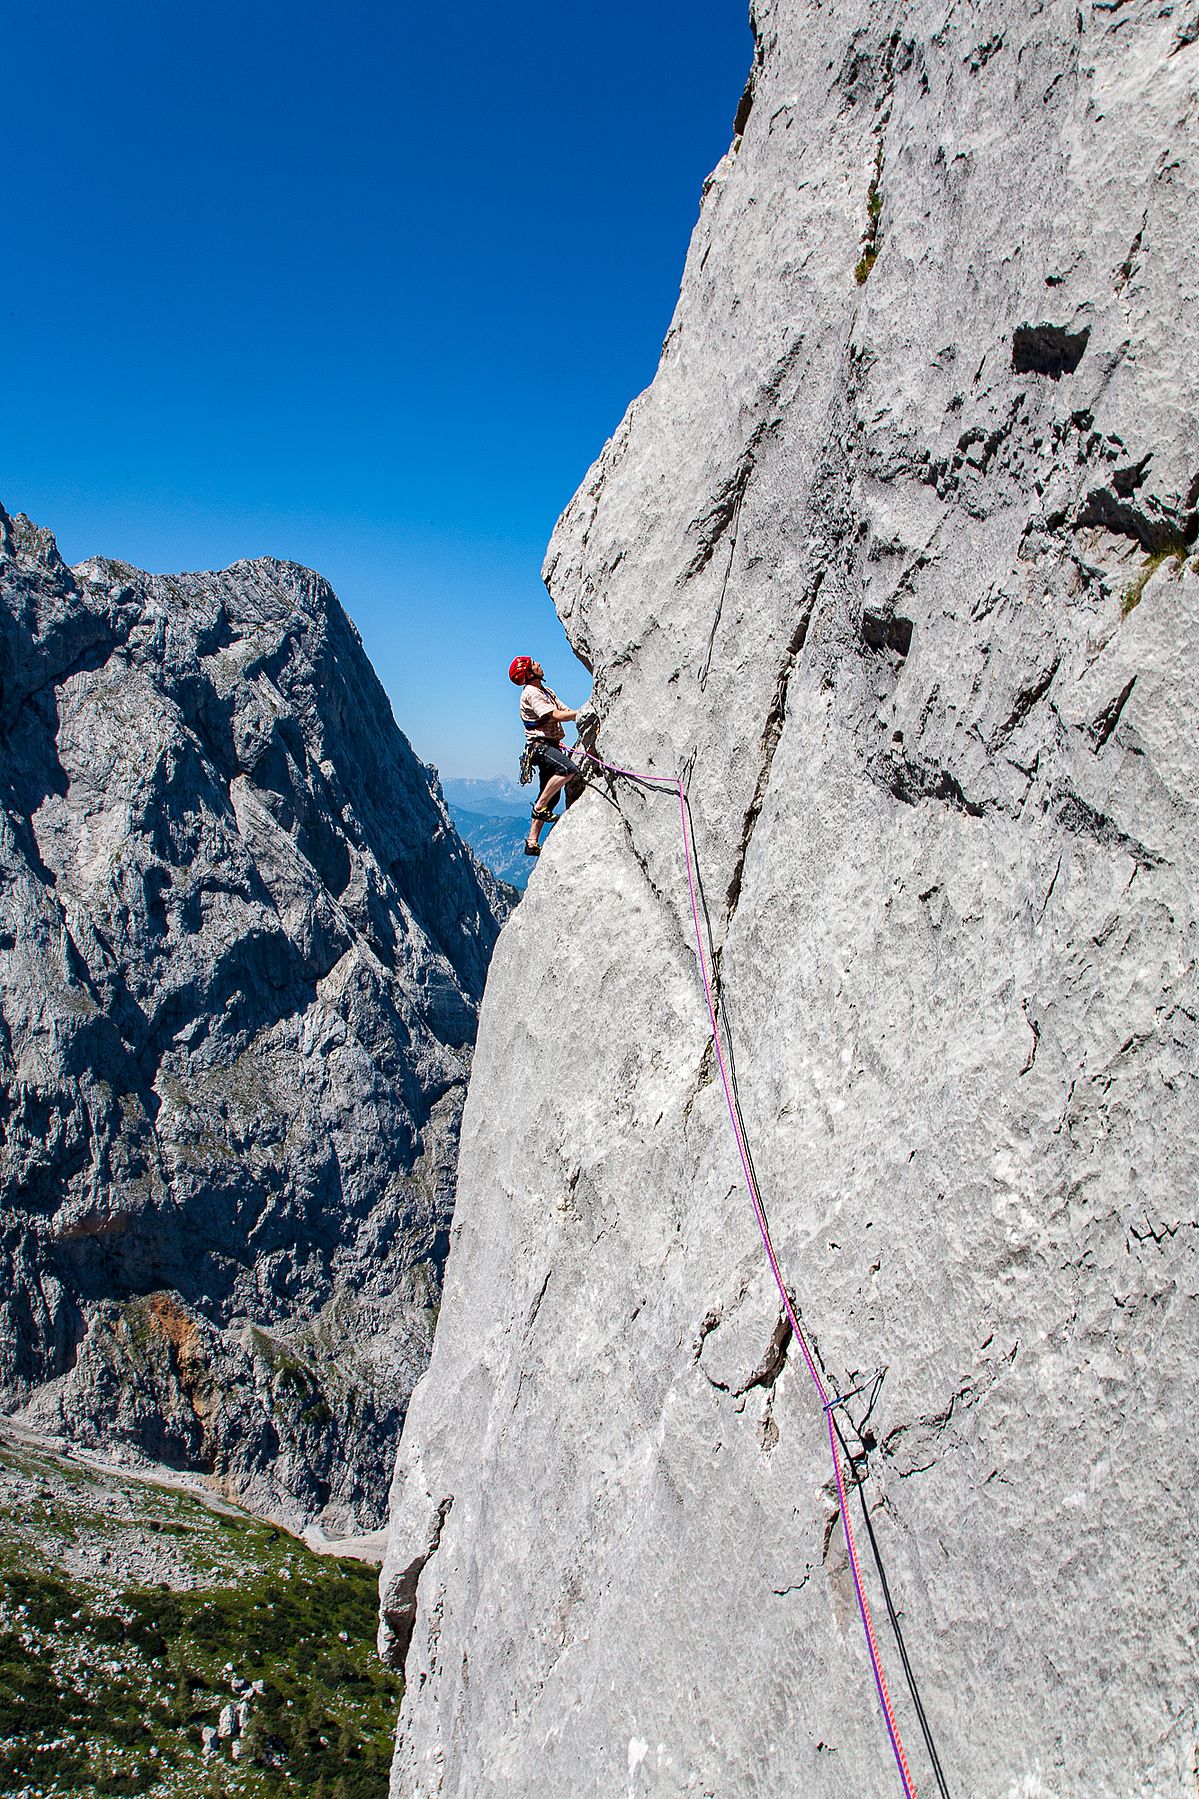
532 849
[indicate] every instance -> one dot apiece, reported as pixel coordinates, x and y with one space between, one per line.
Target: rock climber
543 715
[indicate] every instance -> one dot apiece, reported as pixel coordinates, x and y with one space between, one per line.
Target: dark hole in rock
883 631
1125 481
1047 350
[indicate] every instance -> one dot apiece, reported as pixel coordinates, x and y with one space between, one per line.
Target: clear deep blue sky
364 286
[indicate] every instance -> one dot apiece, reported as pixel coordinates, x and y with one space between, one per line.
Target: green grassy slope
130 1615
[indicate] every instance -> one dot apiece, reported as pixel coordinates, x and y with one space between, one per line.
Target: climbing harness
665 783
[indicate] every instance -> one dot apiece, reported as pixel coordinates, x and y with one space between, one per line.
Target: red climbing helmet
519 669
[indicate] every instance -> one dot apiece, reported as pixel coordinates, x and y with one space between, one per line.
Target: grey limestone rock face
242 951
902 571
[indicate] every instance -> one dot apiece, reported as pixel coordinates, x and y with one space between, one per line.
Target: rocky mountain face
896 560
242 950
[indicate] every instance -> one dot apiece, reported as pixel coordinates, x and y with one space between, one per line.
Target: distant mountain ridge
490 796
498 841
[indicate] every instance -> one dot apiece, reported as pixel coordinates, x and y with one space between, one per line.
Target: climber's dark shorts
551 759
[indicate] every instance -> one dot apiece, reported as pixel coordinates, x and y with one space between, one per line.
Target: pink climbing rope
676 782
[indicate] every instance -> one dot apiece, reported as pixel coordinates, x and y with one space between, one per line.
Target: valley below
155 1640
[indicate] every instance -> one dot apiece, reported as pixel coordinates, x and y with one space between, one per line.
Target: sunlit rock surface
902 572
242 951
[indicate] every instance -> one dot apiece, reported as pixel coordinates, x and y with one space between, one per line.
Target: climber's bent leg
557 771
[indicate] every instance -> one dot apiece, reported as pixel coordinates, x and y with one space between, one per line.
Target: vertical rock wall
897 558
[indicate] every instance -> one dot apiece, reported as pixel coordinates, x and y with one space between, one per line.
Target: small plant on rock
874 211
1175 552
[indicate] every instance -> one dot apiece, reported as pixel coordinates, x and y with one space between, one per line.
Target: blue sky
364 286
